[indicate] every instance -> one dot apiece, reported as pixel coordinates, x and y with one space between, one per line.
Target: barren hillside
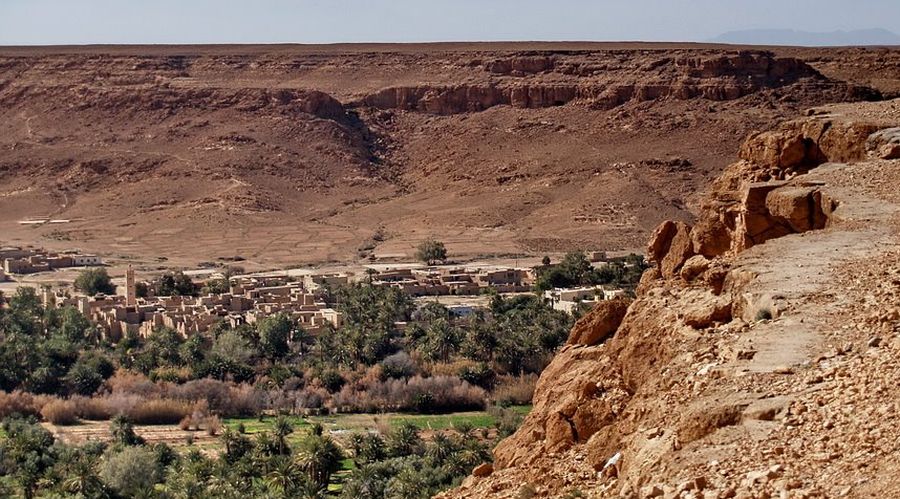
287 155
760 356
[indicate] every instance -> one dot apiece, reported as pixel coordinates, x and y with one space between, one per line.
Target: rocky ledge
733 372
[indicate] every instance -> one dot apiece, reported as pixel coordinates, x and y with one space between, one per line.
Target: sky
51 22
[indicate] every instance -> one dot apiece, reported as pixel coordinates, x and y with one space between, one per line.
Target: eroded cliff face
682 77
659 396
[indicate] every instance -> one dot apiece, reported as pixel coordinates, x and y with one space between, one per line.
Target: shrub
399 365
431 251
331 380
213 425
60 412
526 491
518 390
21 403
447 368
507 421
122 431
293 383
243 400
171 374
128 383
479 375
121 403
159 411
437 394
221 397
94 280
309 398
763 314
131 472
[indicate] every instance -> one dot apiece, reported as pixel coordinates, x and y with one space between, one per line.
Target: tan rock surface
601 323
794 403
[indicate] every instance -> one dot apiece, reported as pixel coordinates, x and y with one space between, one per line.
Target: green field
365 422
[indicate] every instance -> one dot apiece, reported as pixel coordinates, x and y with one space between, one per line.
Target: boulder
889 151
710 237
600 323
780 149
660 241
793 152
884 144
694 267
483 470
680 250
755 224
706 309
797 207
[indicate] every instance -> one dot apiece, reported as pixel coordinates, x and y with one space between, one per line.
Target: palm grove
54 366
389 355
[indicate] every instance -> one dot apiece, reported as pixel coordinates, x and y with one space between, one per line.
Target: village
246 299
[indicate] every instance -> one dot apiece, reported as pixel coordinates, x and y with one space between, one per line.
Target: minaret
130 288
47 298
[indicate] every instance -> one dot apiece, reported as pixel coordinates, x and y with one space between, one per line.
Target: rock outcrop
884 144
721 78
600 324
470 98
520 66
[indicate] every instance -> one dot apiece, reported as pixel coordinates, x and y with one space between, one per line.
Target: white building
567 299
86 260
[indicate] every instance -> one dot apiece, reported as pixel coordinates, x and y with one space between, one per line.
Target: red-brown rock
660 241
483 470
601 323
680 250
797 207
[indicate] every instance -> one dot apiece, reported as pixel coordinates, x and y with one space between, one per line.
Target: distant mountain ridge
809 39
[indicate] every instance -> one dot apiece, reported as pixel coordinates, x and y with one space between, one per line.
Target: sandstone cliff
682 77
744 366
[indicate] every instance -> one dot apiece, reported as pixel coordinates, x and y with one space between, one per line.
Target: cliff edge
759 358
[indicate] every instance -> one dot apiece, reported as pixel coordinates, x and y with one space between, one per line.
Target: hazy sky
28 22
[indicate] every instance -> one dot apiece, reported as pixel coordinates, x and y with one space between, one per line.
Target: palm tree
83 480
281 428
441 448
320 457
285 477
404 441
301 339
442 339
123 431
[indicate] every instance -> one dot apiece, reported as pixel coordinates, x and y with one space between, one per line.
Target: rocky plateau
287 155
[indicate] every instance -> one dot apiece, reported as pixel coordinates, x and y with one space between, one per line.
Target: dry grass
437 394
60 412
159 412
92 408
21 403
518 390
